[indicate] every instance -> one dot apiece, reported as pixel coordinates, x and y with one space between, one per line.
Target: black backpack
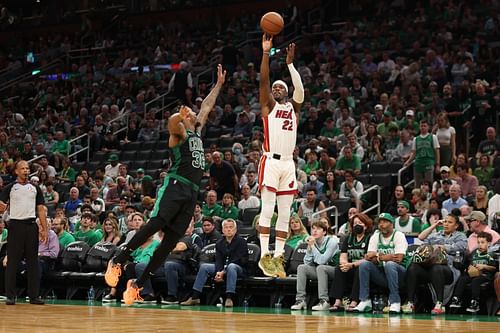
98 257
73 256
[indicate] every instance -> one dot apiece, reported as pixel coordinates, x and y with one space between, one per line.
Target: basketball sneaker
299 305
473 306
439 309
279 264
266 264
408 308
113 273
132 293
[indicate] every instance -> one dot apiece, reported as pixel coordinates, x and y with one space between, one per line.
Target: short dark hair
208 219
312 189
485 235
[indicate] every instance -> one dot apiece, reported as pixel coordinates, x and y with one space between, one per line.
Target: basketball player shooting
277 180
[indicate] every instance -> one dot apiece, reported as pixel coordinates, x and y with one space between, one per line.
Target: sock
264 244
279 247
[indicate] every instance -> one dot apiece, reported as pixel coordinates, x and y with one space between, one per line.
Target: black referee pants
22 242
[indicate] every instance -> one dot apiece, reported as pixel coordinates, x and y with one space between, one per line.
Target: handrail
162 97
368 190
87 148
32 160
400 172
316 214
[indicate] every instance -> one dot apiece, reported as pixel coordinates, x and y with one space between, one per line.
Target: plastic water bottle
91 295
245 305
457 261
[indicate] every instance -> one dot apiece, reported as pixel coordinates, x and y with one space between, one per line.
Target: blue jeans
174 272
147 286
387 276
231 276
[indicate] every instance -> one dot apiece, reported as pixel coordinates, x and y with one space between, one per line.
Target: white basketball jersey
280 130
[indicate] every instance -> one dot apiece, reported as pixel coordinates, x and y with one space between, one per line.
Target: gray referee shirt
22 200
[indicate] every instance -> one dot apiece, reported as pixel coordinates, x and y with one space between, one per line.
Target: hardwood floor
75 318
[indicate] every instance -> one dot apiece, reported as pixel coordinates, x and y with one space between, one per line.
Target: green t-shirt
90 237
383 129
343 164
61 147
5 233
311 167
327 133
295 240
65 239
68 173
216 210
484 176
144 255
229 213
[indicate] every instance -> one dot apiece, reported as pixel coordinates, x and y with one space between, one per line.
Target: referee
25 200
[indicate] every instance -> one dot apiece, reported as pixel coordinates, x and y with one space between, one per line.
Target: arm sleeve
298 91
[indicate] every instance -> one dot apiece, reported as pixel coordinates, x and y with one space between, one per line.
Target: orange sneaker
112 274
132 293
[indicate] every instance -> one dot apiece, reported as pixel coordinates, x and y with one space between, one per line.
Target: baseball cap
387 216
410 113
327 91
444 168
387 114
112 158
379 107
433 83
476 215
140 170
199 99
404 203
35 179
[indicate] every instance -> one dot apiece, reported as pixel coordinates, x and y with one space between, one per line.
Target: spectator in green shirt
348 161
210 206
59 226
60 149
383 128
484 172
86 234
296 232
229 210
67 174
3 232
329 130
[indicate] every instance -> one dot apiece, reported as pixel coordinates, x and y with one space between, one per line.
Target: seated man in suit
231 258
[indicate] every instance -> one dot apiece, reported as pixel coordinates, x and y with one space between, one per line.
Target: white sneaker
364 306
321 306
395 308
299 305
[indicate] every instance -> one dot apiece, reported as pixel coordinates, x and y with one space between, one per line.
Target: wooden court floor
82 318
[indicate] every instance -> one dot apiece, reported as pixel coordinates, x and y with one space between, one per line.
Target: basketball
272 23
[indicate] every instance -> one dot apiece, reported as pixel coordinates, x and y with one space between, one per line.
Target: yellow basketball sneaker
279 264
266 264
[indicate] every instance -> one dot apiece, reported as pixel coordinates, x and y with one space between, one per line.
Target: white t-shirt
251 202
444 135
400 242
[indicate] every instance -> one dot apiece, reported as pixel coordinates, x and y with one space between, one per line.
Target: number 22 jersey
280 130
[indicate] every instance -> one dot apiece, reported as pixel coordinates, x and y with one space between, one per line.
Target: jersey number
198 160
287 125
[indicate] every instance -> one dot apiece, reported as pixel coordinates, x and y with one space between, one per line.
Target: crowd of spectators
369 86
